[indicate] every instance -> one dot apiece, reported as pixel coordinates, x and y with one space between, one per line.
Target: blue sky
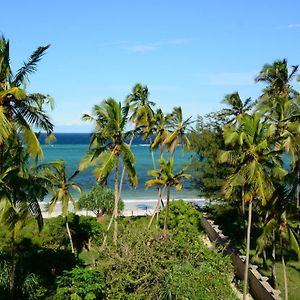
189 53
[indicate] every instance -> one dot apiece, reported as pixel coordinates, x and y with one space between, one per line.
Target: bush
80 283
183 281
86 231
145 265
4 275
99 200
182 215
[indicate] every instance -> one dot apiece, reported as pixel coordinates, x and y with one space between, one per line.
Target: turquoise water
73 153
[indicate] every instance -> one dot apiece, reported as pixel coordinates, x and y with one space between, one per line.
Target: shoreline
132 207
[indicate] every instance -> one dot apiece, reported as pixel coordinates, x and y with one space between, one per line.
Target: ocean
71 147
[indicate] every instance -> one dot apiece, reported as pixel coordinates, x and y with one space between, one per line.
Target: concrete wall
260 289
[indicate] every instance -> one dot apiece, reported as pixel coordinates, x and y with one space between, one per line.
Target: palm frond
265 239
32 142
5 128
30 66
152 182
27 113
128 161
106 162
15 92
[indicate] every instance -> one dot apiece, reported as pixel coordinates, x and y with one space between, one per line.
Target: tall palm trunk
115 212
160 191
273 258
167 211
12 275
69 235
265 264
161 150
156 210
152 153
1 157
286 291
298 197
123 170
244 214
247 250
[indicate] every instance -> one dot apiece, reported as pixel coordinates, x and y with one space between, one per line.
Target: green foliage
4 275
182 216
142 266
99 200
53 234
86 231
147 266
34 287
221 213
293 273
183 281
107 146
80 283
35 271
208 175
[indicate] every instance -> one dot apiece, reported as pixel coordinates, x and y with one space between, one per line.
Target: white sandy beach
132 208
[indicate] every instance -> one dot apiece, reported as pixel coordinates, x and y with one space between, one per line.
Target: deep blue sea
72 147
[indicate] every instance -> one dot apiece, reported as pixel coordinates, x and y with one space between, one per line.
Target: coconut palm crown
20 111
108 148
107 143
178 128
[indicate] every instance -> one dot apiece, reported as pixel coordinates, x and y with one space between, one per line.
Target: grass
221 214
293 274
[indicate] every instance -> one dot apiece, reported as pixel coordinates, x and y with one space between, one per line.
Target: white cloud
177 41
290 26
72 122
148 47
227 78
294 25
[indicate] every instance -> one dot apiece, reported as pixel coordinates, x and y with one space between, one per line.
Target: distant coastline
71 147
72 138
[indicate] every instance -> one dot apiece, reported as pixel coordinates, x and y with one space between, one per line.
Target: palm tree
178 127
21 189
159 123
166 178
159 128
142 112
279 224
108 148
19 111
278 79
61 190
278 204
280 103
142 117
237 108
140 105
256 165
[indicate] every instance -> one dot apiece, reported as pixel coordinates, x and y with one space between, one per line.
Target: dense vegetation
247 156
253 158
144 265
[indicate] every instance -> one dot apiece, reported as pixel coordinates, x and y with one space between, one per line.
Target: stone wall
260 289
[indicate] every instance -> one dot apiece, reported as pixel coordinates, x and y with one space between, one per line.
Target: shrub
85 231
144 265
182 215
99 200
4 275
80 283
183 281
